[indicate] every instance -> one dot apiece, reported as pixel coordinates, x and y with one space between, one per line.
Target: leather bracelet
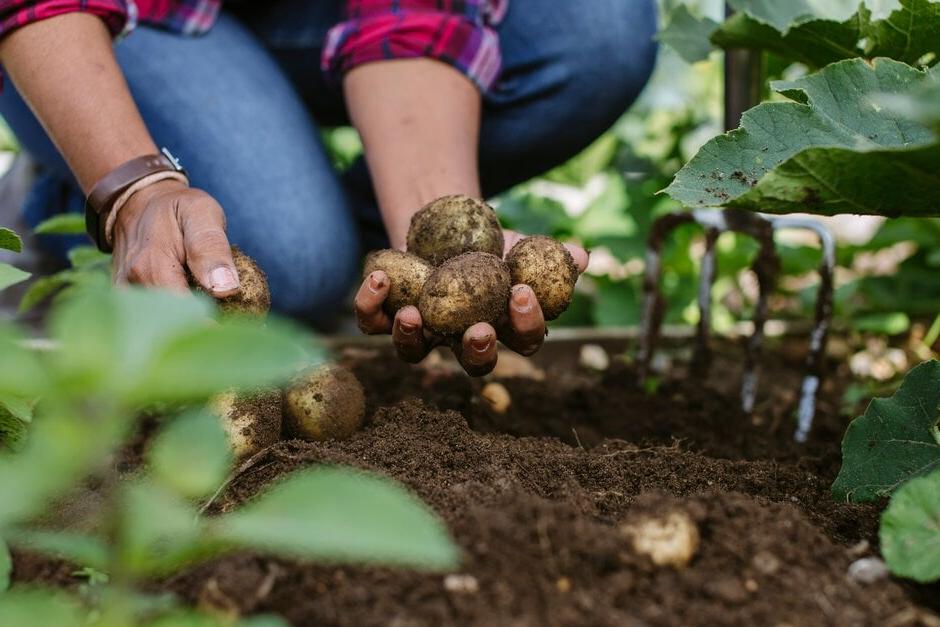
113 187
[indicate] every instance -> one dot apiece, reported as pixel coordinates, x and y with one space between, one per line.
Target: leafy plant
896 439
910 530
119 350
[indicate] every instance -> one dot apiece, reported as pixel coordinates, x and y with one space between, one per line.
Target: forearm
420 122
65 69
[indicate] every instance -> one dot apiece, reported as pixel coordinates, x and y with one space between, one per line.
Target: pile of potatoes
454 271
323 403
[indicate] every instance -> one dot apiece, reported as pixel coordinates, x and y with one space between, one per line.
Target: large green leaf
821 32
6 566
340 515
192 454
688 34
10 275
829 150
895 440
9 240
81 549
29 608
910 530
62 224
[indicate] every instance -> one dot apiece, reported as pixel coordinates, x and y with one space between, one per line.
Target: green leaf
829 151
10 275
617 303
89 256
83 550
688 35
818 33
531 214
238 353
21 372
341 515
591 161
910 530
191 455
891 323
44 287
62 224
894 441
159 531
6 566
29 608
9 240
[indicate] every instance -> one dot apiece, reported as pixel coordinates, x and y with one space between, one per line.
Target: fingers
526 329
208 252
408 335
477 350
369 299
581 257
509 240
155 268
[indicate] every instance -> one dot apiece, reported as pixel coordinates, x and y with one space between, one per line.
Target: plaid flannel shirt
456 32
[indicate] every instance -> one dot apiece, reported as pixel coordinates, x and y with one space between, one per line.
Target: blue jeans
241 107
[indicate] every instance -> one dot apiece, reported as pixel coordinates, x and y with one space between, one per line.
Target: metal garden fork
767 268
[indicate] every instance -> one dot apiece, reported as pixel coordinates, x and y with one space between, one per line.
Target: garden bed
536 497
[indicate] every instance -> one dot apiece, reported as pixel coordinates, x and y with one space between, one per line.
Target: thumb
208 252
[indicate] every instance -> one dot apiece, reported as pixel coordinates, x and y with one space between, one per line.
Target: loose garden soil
536 498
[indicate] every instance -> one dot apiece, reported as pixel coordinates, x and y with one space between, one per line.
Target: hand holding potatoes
452 286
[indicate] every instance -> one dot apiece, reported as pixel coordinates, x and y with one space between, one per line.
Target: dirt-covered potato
326 403
407 274
453 225
252 420
253 297
546 266
668 540
470 288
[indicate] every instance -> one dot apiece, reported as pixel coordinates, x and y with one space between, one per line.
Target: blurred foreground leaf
910 530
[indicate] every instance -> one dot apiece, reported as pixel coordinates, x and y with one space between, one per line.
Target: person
448 96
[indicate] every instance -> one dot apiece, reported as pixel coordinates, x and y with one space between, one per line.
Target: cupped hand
167 228
522 329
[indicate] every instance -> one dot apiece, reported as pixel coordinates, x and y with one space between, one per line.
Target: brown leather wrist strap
103 195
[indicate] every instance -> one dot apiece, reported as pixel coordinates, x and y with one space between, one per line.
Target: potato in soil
407 274
470 288
326 403
252 420
453 225
253 297
546 266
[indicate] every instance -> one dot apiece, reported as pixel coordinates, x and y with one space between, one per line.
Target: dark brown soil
536 497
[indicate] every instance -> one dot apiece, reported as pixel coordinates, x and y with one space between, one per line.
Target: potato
252 420
470 288
546 266
407 274
453 225
668 540
326 403
253 297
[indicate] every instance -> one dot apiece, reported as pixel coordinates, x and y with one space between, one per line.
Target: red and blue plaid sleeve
16 13
456 32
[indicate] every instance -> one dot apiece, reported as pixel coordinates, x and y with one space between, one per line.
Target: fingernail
222 279
480 344
521 300
407 328
375 284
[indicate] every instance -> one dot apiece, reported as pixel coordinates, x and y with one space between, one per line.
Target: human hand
522 329
166 228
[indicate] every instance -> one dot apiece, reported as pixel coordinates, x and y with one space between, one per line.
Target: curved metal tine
701 358
653 301
814 360
766 267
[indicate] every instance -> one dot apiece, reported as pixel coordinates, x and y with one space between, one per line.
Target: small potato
470 288
252 420
669 540
253 297
546 266
453 225
407 274
327 403
496 396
